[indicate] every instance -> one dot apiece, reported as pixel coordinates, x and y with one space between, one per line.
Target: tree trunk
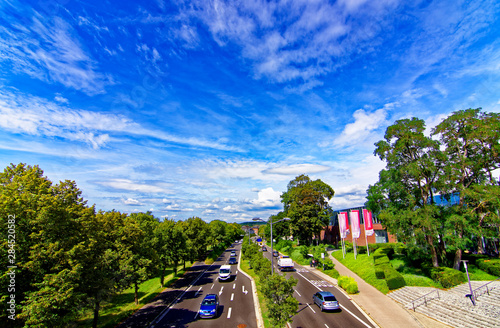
136 293
162 276
175 268
458 258
96 313
480 248
430 241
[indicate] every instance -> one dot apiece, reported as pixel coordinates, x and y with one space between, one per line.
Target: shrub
492 266
393 278
381 260
348 284
379 272
399 248
209 261
448 277
361 249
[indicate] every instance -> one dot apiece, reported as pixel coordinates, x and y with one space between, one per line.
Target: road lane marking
198 291
326 326
187 290
297 292
343 307
364 323
229 313
310 308
212 286
220 291
234 286
310 282
232 296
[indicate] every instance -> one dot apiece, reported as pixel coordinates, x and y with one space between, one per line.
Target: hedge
492 266
448 277
393 279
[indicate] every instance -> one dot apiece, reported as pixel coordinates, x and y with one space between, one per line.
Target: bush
209 261
393 279
399 248
492 266
381 260
448 277
348 284
379 272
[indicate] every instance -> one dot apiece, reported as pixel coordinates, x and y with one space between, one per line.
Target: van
224 272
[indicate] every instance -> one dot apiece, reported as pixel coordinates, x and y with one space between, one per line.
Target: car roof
210 296
225 266
326 293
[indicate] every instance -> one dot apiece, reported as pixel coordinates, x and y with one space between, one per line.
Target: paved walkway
385 312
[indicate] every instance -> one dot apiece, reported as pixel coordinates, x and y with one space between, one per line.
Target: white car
224 272
233 253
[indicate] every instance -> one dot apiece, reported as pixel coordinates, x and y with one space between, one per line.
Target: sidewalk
385 312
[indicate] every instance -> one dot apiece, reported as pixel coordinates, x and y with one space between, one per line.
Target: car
264 248
275 253
233 253
326 301
232 260
209 306
224 272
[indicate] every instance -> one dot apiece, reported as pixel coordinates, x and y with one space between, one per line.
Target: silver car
326 301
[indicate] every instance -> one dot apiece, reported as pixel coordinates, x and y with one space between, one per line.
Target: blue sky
210 108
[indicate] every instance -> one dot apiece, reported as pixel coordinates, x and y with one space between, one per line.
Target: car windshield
208 302
224 271
330 299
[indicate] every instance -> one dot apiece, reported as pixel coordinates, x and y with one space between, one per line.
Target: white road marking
297 293
343 307
232 296
229 313
234 286
310 308
364 323
326 326
220 292
198 291
212 286
189 288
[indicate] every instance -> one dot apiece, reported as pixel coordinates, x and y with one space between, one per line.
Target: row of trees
69 258
458 159
277 289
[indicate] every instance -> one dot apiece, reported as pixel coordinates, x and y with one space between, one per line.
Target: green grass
363 266
122 305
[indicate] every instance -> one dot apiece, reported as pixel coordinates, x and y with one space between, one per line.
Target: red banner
343 224
367 217
356 231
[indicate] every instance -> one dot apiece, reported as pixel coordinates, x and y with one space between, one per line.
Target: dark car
264 248
209 306
326 301
232 260
275 253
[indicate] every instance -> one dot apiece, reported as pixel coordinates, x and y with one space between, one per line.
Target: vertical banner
356 230
367 217
343 229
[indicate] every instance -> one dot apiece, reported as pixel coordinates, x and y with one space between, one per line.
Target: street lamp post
471 295
272 255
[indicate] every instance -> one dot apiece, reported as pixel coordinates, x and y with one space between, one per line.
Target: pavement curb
258 313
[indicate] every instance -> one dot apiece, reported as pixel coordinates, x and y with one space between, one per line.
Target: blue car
232 260
209 306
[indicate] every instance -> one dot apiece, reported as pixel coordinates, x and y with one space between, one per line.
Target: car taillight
324 303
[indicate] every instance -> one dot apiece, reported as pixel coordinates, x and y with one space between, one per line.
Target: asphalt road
309 314
235 298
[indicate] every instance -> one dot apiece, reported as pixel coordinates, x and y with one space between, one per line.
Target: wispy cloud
48 48
129 185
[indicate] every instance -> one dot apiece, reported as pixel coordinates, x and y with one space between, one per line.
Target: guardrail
425 298
478 292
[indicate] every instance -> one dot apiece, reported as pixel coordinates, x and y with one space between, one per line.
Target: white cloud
362 127
267 198
131 201
297 169
125 184
48 49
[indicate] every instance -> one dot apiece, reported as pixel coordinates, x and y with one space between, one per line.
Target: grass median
122 305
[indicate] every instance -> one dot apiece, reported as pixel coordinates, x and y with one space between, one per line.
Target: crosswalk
321 283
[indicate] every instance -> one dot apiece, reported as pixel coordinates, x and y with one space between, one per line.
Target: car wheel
321 307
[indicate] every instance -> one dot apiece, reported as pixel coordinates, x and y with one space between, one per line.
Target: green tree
306 204
171 244
404 194
471 145
197 232
282 306
217 232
